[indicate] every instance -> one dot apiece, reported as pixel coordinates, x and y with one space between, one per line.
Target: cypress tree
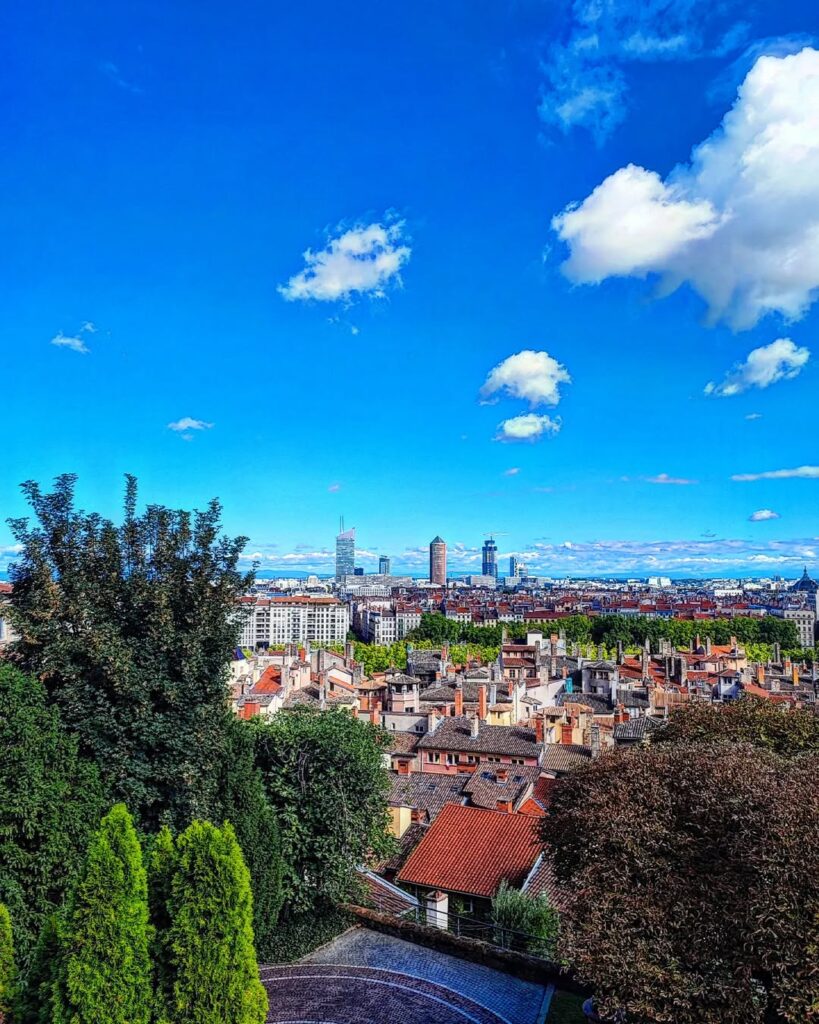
216 977
105 975
162 862
37 993
8 972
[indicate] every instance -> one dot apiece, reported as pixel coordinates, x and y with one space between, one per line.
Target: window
433 757
451 758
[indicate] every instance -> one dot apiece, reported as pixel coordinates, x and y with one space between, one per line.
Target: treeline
116 693
608 630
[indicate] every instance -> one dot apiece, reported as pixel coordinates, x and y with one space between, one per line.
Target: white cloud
664 478
187 424
528 427
362 260
533 376
585 81
762 515
739 222
781 360
334 488
800 473
88 328
754 416
75 343
512 471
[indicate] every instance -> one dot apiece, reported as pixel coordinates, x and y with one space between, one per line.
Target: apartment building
287 620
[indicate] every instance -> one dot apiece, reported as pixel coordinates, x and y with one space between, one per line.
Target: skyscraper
513 565
345 554
383 565
437 561
490 558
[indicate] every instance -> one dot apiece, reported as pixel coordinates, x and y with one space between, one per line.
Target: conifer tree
216 977
36 994
105 975
8 971
162 861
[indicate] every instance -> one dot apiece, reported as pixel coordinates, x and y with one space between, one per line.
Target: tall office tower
513 566
383 565
490 558
345 554
437 561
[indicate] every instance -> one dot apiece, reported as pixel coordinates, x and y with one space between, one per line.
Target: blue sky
473 182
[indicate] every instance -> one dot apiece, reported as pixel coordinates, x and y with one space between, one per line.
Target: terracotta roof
542 881
426 791
472 850
503 740
487 786
558 757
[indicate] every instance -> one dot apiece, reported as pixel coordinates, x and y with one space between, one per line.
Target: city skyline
601 400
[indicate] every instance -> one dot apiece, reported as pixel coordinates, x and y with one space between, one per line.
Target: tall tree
162 865
691 899
36 994
325 777
105 974
8 969
213 960
131 627
50 800
244 803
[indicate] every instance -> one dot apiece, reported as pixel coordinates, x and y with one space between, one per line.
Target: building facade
345 554
437 561
288 620
383 565
489 562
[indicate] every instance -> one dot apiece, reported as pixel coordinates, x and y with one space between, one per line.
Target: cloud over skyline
362 260
738 223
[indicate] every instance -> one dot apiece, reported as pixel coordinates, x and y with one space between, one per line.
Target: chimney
540 730
501 774
697 642
349 650
433 721
493 694
734 644
504 805
444 653
566 734
786 665
708 646
795 675
323 695
595 740
777 653
621 655
475 727
459 699
760 674
482 701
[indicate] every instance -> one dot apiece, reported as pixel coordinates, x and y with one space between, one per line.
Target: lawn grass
566 1009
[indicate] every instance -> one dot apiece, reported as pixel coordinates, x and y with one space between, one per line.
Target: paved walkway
363 976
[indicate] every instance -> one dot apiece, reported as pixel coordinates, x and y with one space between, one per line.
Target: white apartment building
293 620
805 622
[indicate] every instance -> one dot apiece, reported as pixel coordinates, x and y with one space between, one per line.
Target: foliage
8 970
694 859
245 805
50 800
299 934
131 628
35 996
762 723
325 777
161 867
566 1008
515 911
373 658
213 959
105 975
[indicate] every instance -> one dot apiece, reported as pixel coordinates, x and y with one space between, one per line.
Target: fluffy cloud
664 478
512 471
528 427
75 343
184 427
360 261
739 223
800 473
532 376
781 360
762 515
334 488
585 81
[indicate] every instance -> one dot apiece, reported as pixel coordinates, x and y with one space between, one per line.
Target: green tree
161 869
761 723
245 805
50 800
8 969
131 627
692 857
325 777
213 960
105 975
36 994
527 923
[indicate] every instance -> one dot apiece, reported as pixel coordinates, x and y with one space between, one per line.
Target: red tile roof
472 850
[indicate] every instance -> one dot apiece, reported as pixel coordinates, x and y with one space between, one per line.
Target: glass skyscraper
345 554
490 558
